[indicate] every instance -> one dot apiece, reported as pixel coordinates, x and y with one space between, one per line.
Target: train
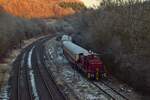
83 60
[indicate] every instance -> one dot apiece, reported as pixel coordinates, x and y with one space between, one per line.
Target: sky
91 3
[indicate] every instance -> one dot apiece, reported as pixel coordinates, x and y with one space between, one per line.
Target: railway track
54 91
48 57
31 61
103 90
115 95
41 84
115 90
19 77
43 77
25 90
18 83
26 81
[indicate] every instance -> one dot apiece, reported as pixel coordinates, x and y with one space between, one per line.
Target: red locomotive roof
97 61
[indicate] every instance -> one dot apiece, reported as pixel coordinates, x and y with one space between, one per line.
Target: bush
74 5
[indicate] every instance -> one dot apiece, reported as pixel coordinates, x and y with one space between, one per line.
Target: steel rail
64 97
28 83
18 83
26 78
114 90
42 77
51 77
15 80
112 98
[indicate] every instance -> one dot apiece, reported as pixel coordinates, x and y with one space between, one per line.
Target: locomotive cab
95 67
83 60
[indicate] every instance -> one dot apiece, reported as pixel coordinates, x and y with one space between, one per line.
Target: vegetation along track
115 95
28 65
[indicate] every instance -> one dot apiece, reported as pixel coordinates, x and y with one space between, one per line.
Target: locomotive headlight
97 69
97 74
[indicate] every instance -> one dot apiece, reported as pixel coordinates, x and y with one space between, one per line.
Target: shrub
74 5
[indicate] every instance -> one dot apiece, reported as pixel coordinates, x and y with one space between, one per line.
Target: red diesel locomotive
84 60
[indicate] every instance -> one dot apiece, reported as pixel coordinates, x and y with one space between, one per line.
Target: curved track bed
30 78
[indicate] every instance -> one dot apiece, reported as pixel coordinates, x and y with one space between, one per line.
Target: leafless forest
14 29
120 32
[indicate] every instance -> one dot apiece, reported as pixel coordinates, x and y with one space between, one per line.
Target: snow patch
4 95
32 78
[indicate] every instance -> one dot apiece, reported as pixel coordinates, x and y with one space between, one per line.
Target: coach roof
75 49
